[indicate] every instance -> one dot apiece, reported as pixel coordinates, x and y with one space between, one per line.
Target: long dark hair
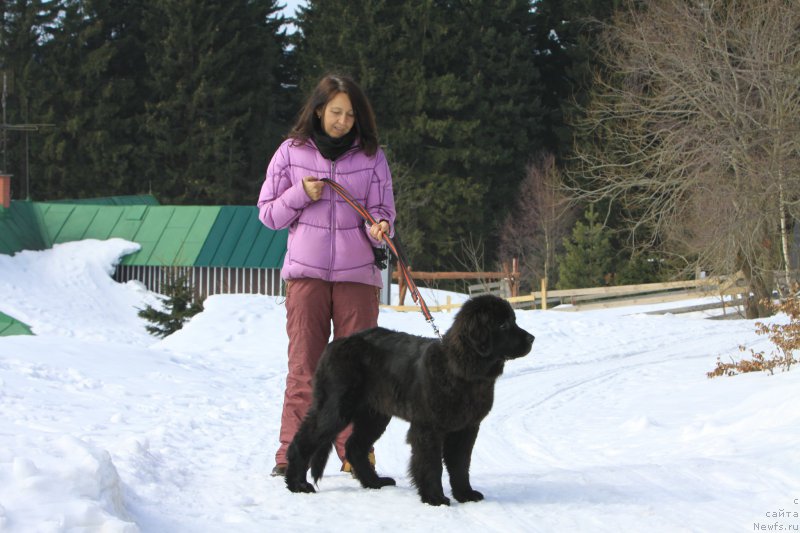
329 86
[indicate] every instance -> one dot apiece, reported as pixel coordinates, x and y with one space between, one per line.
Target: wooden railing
510 273
640 294
605 297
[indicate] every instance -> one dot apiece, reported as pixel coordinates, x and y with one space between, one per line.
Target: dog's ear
479 334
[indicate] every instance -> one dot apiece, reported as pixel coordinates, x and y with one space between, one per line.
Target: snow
610 424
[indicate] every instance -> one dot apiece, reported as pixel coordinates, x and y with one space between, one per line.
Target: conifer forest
665 130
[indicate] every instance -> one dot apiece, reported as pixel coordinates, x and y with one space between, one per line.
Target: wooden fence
620 295
509 274
641 294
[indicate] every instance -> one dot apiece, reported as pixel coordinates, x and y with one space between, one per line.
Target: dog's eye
504 326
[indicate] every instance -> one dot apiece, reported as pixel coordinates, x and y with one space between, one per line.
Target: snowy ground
609 425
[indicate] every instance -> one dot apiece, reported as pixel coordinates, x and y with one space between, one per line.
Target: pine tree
215 84
95 99
23 26
182 98
566 33
588 255
178 307
641 268
455 93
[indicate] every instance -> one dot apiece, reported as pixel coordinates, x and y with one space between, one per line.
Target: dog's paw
436 500
386 482
378 483
300 486
468 496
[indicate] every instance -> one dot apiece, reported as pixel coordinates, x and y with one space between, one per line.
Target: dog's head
486 333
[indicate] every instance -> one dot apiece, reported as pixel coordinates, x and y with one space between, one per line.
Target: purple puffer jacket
327 239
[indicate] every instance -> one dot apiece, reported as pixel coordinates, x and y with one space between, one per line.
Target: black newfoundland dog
444 388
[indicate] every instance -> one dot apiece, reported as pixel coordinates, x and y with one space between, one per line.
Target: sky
291 6
609 424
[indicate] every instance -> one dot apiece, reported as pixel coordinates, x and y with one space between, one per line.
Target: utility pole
5 162
27 128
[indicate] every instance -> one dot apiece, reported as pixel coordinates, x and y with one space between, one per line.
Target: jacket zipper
333 214
333 224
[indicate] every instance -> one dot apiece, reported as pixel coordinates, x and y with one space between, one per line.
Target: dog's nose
531 338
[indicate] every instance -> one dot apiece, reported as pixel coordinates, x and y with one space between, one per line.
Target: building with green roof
220 249
11 326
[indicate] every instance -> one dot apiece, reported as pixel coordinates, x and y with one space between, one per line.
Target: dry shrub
785 337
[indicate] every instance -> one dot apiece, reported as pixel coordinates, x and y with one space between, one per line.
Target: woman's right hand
313 187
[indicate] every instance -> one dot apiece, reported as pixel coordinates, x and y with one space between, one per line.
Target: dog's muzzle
526 344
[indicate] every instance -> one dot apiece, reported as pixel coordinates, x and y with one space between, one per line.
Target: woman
329 267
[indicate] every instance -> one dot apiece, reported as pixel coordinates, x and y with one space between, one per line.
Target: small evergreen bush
640 268
588 255
179 306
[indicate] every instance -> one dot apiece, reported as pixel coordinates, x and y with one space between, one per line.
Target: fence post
5 190
544 294
514 277
401 287
386 277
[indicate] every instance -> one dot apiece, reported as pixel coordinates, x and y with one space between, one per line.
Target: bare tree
695 130
540 220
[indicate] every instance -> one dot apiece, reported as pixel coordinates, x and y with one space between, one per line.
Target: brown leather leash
401 263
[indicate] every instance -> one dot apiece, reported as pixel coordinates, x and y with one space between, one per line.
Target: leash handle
406 273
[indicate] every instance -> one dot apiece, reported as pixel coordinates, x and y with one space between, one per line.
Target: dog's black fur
444 388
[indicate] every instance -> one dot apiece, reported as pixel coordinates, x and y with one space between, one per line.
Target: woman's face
338 116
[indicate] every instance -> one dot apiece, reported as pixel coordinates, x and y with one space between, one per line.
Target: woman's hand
313 187
378 230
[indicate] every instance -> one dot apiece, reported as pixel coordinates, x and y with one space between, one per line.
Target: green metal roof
230 236
19 228
134 199
238 239
11 326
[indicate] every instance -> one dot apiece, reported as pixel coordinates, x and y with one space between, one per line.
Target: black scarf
332 148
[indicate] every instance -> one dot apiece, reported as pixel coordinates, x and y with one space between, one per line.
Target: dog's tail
311 446
338 393
319 459
332 418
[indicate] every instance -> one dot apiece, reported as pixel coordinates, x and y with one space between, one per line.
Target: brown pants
311 305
